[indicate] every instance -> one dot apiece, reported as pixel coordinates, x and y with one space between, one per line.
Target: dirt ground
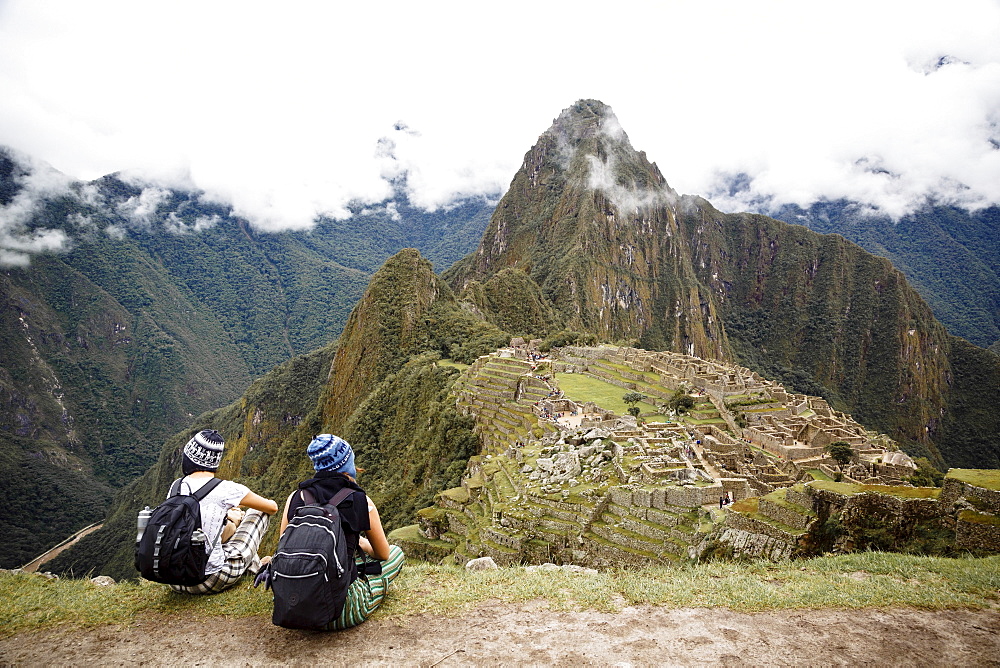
495 634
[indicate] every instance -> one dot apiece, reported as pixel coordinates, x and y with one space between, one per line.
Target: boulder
597 433
481 564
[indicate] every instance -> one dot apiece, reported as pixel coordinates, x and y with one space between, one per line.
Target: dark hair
189 467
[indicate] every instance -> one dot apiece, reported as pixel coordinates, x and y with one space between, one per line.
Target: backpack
173 548
311 570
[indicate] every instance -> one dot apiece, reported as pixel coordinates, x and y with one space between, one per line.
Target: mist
287 116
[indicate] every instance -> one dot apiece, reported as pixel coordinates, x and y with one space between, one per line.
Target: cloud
176 225
287 115
629 200
141 209
36 183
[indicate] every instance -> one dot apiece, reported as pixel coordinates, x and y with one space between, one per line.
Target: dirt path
35 563
495 634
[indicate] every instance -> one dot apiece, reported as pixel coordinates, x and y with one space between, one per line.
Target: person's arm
284 515
376 544
266 506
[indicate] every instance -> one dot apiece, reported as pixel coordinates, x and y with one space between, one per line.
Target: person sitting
333 461
229 560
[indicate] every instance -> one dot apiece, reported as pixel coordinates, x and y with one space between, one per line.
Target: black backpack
311 571
173 548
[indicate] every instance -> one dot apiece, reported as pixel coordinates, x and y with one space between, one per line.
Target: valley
795 331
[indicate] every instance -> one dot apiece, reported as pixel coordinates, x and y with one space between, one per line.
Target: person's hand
264 575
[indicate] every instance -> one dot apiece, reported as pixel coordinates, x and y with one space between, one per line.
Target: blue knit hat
332 454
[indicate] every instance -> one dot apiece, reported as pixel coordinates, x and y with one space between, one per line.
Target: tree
632 398
681 402
841 451
926 475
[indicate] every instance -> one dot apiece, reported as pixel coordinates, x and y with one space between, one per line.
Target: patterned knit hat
205 449
333 454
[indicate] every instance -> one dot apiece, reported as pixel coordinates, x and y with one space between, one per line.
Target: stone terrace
605 490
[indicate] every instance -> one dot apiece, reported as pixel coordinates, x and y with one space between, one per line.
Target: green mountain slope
949 255
380 387
595 226
162 307
818 311
618 254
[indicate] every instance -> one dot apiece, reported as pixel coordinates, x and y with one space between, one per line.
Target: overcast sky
279 108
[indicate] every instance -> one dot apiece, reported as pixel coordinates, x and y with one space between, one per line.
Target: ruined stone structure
569 482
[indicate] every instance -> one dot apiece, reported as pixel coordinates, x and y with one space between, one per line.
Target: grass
459 494
903 492
817 474
651 376
778 497
581 387
985 478
979 518
862 580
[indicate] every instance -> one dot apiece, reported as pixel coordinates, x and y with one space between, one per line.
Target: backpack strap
341 495
207 488
310 499
175 488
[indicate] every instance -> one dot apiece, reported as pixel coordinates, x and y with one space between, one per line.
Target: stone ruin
610 490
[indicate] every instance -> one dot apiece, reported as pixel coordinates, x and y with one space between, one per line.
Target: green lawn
580 387
985 478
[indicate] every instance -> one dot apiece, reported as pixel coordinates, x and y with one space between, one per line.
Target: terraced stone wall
977 531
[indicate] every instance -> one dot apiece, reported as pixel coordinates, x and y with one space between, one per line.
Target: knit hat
205 449
333 454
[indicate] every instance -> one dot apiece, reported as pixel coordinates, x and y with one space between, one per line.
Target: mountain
590 243
949 255
380 386
619 254
595 226
158 306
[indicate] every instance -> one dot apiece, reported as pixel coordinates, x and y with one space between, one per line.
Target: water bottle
142 521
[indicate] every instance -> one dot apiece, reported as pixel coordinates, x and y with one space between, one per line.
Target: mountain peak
587 119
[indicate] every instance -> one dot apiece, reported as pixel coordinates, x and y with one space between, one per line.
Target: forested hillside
380 387
950 256
158 307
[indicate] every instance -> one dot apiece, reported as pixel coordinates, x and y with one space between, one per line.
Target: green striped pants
365 596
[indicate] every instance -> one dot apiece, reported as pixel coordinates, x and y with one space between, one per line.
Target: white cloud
176 225
629 200
279 111
141 209
38 183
